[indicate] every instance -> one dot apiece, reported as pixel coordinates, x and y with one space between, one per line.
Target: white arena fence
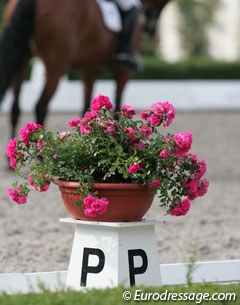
187 95
171 274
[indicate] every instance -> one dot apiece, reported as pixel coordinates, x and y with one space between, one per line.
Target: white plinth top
144 222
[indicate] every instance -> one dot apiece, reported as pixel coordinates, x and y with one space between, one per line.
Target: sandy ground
33 239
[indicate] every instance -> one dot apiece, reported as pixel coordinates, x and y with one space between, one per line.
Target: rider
128 10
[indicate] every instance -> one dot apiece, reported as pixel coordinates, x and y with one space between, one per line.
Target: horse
66 35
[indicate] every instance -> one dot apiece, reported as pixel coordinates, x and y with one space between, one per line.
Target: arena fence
172 274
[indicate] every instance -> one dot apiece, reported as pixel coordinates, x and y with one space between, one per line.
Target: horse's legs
88 82
47 93
122 75
15 110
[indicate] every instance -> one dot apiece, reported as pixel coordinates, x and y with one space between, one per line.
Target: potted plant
124 154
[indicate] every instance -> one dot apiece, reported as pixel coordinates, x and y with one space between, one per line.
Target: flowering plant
100 148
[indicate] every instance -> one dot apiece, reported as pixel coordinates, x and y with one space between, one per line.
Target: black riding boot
125 54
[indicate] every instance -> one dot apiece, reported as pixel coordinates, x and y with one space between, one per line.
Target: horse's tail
15 48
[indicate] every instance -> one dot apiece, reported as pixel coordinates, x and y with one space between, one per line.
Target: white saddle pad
111 15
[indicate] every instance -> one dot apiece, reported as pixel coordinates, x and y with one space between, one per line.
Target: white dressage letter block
109 254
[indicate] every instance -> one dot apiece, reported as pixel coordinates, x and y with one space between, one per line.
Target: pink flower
44 187
202 168
203 187
181 208
131 133
63 134
108 127
154 184
100 206
128 111
145 131
183 141
90 116
18 194
145 114
134 168
27 130
100 102
153 120
74 122
88 201
165 111
11 148
85 129
94 206
196 187
164 154
12 153
90 212
39 144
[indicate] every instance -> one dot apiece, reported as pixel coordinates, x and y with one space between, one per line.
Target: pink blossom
64 133
18 195
164 154
145 131
11 148
39 147
165 111
90 115
203 187
153 119
12 153
145 114
108 127
100 206
85 129
134 168
39 144
88 201
183 141
94 206
131 133
44 188
154 184
100 102
181 208
196 187
27 130
90 212
193 158
128 111
202 168
192 184
74 122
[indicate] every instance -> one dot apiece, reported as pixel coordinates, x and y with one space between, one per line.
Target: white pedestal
109 254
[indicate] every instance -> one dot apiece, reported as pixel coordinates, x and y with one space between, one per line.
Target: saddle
111 16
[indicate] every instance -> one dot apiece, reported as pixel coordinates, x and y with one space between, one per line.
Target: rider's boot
125 54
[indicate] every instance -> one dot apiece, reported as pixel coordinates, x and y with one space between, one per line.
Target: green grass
114 296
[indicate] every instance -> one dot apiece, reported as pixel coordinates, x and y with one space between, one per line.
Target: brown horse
65 35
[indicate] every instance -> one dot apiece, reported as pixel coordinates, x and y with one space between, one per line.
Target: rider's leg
125 54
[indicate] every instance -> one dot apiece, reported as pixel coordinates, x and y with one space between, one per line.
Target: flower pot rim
102 185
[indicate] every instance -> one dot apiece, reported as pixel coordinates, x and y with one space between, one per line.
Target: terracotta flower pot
127 202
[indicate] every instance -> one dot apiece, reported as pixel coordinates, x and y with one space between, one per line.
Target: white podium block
109 254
